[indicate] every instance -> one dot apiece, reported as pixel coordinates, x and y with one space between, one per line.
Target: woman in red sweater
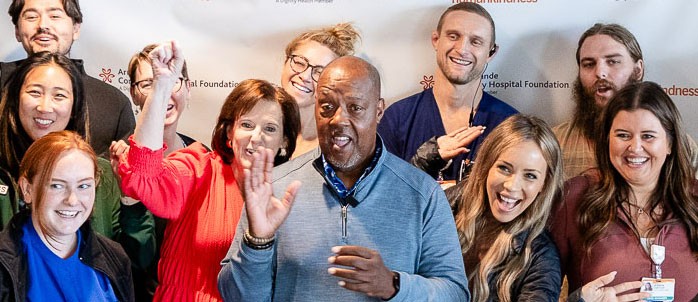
198 190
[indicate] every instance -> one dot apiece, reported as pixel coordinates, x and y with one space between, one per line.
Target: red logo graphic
427 82
106 75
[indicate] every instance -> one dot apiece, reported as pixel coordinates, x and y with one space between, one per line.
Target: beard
588 112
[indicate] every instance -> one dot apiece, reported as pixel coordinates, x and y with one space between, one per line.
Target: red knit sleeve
163 185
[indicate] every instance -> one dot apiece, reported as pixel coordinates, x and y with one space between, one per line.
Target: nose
306 75
72 199
43 22
45 104
601 71
340 117
512 184
256 136
635 144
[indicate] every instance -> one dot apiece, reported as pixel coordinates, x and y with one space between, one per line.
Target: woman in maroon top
641 197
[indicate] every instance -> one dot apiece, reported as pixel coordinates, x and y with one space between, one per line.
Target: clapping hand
265 212
453 144
362 271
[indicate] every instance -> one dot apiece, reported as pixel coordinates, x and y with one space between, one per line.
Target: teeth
508 200
461 61
301 88
43 121
637 160
250 151
68 214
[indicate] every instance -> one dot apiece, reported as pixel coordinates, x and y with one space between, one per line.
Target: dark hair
143 56
673 192
616 32
241 100
40 160
14 140
71 7
471 8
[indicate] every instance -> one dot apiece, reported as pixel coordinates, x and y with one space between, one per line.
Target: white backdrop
227 41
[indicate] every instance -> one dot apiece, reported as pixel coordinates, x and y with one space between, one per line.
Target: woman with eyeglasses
198 190
140 72
50 252
306 57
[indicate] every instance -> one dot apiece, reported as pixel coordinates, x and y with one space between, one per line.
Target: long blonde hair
473 207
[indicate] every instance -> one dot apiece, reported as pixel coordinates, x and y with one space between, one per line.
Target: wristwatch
396 285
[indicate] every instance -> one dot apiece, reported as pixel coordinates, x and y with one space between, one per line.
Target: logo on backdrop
674 90
427 82
106 75
492 83
121 80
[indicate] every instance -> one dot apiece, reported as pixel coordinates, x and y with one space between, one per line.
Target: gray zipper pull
344 222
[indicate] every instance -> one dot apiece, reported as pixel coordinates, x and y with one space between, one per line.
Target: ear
17 37
76 31
493 52
380 108
25 187
639 71
434 39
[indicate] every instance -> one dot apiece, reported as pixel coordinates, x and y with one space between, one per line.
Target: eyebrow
50 9
613 55
527 170
63 181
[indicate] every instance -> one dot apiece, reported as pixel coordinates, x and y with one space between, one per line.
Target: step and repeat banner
227 41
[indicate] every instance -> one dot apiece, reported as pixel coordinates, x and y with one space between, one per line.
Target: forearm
247 273
150 127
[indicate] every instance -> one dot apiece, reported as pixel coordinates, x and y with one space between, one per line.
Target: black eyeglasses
145 86
300 64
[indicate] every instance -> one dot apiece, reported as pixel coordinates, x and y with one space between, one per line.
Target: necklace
640 210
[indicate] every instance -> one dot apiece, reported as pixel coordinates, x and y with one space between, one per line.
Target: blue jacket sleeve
247 274
440 275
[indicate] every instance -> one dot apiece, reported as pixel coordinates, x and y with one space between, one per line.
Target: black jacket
541 280
96 251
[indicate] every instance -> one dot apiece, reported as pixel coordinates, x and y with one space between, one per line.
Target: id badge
660 289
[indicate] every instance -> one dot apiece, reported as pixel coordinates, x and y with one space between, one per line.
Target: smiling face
463 46
175 105
347 114
638 147
605 66
43 25
68 197
45 101
515 180
262 126
300 85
